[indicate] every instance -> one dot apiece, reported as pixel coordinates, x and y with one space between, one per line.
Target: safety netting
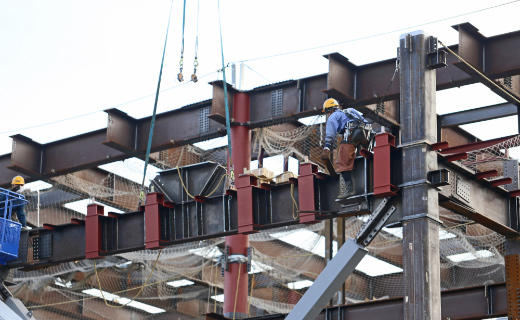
493 156
185 281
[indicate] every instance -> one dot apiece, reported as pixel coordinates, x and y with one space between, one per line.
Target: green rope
152 125
228 123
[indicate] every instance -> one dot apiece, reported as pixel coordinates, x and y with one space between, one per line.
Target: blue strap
228 124
183 24
150 134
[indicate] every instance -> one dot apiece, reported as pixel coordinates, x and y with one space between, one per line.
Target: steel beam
328 282
40 161
478 114
469 303
476 199
126 137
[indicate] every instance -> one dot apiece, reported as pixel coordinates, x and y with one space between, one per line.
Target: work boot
349 191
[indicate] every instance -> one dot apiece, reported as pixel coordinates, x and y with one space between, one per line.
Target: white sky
64 58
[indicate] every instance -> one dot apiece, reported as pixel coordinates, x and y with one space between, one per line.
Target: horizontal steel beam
468 303
287 101
479 114
366 84
474 146
476 199
213 212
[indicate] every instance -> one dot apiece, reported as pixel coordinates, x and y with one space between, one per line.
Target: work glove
325 155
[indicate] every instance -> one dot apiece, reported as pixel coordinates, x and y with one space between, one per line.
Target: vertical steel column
236 279
422 297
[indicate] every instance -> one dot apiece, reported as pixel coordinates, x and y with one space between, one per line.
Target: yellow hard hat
330 103
18 180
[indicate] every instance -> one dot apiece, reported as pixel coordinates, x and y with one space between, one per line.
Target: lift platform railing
9 230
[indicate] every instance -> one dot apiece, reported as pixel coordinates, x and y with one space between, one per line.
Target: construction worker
345 122
16 184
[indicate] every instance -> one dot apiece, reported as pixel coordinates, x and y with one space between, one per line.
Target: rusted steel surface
513 285
475 145
478 114
126 137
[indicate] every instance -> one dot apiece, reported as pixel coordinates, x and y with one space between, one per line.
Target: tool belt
357 132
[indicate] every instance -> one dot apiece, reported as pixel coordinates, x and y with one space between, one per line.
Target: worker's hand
325 155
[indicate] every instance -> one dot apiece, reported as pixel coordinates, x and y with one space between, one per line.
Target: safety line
121 291
294 204
379 34
152 125
257 73
105 108
136 295
480 73
250 295
228 123
236 292
283 284
272 56
210 285
215 304
209 194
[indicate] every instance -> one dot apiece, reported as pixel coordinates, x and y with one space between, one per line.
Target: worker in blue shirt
345 122
19 209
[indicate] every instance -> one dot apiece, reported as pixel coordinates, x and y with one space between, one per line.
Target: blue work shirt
337 122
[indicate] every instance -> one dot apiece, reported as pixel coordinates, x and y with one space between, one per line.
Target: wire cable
105 108
136 295
179 276
379 34
195 61
257 73
180 77
267 57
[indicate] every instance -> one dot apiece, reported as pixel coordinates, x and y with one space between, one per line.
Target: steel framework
254 207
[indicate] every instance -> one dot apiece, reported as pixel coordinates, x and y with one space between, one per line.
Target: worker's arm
333 124
331 131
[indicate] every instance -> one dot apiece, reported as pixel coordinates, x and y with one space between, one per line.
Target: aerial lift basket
9 230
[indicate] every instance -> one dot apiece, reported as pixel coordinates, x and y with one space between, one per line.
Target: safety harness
357 132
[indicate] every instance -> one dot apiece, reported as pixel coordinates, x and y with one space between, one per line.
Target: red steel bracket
245 184
152 220
487 174
457 156
441 145
501 182
385 144
93 231
306 193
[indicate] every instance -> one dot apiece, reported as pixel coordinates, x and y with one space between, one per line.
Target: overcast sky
61 59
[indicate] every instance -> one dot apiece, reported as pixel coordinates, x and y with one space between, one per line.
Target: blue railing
9 230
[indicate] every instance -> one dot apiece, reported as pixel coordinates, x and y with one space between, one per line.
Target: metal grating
276 102
203 120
